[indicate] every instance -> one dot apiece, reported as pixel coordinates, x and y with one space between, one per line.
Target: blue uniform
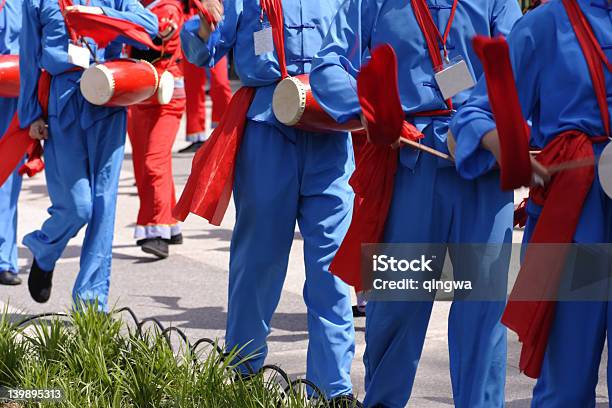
84 151
284 175
431 203
556 94
10 25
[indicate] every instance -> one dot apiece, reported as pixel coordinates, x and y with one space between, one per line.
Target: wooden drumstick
426 149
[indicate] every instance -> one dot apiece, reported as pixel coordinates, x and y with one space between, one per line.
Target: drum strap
594 55
274 11
433 37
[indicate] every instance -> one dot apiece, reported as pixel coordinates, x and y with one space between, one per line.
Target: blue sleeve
30 42
336 65
474 119
208 53
133 11
505 14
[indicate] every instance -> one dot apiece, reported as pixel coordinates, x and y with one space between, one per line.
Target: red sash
209 187
374 176
16 142
542 266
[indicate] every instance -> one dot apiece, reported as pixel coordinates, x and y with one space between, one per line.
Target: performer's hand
85 9
541 175
364 122
39 130
215 9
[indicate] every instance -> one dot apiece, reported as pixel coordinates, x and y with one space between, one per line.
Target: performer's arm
206 51
504 15
474 119
336 65
132 10
30 44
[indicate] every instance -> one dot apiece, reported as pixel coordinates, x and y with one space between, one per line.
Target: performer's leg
326 201
395 330
481 234
156 188
571 363
105 146
195 84
266 197
9 195
220 90
139 127
69 188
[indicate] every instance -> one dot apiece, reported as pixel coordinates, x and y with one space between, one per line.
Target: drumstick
426 149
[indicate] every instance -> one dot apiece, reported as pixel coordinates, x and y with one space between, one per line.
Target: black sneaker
39 283
192 148
9 278
156 246
345 401
176 239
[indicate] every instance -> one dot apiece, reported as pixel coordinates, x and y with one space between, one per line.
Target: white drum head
604 169
166 88
289 101
97 85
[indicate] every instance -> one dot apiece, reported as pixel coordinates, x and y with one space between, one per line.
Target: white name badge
263 41
78 56
454 78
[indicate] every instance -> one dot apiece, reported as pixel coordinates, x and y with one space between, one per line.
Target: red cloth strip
530 310
512 128
374 176
209 187
16 142
540 272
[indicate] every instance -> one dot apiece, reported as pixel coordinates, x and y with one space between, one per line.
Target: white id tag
78 56
454 78
263 41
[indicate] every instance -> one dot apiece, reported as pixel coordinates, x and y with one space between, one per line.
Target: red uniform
152 129
220 93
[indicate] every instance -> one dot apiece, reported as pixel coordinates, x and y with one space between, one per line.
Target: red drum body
121 82
9 76
294 105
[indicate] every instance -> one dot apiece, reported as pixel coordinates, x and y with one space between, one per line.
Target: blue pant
9 194
82 172
433 204
278 181
571 362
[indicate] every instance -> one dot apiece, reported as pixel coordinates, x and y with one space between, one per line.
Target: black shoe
345 401
156 246
192 148
176 239
39 283
358 312
9 278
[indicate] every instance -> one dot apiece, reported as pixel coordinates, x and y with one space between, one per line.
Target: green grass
97 362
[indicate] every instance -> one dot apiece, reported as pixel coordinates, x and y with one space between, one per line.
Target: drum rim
302 101
158 93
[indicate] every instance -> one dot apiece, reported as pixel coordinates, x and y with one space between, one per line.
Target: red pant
152 130
220 93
